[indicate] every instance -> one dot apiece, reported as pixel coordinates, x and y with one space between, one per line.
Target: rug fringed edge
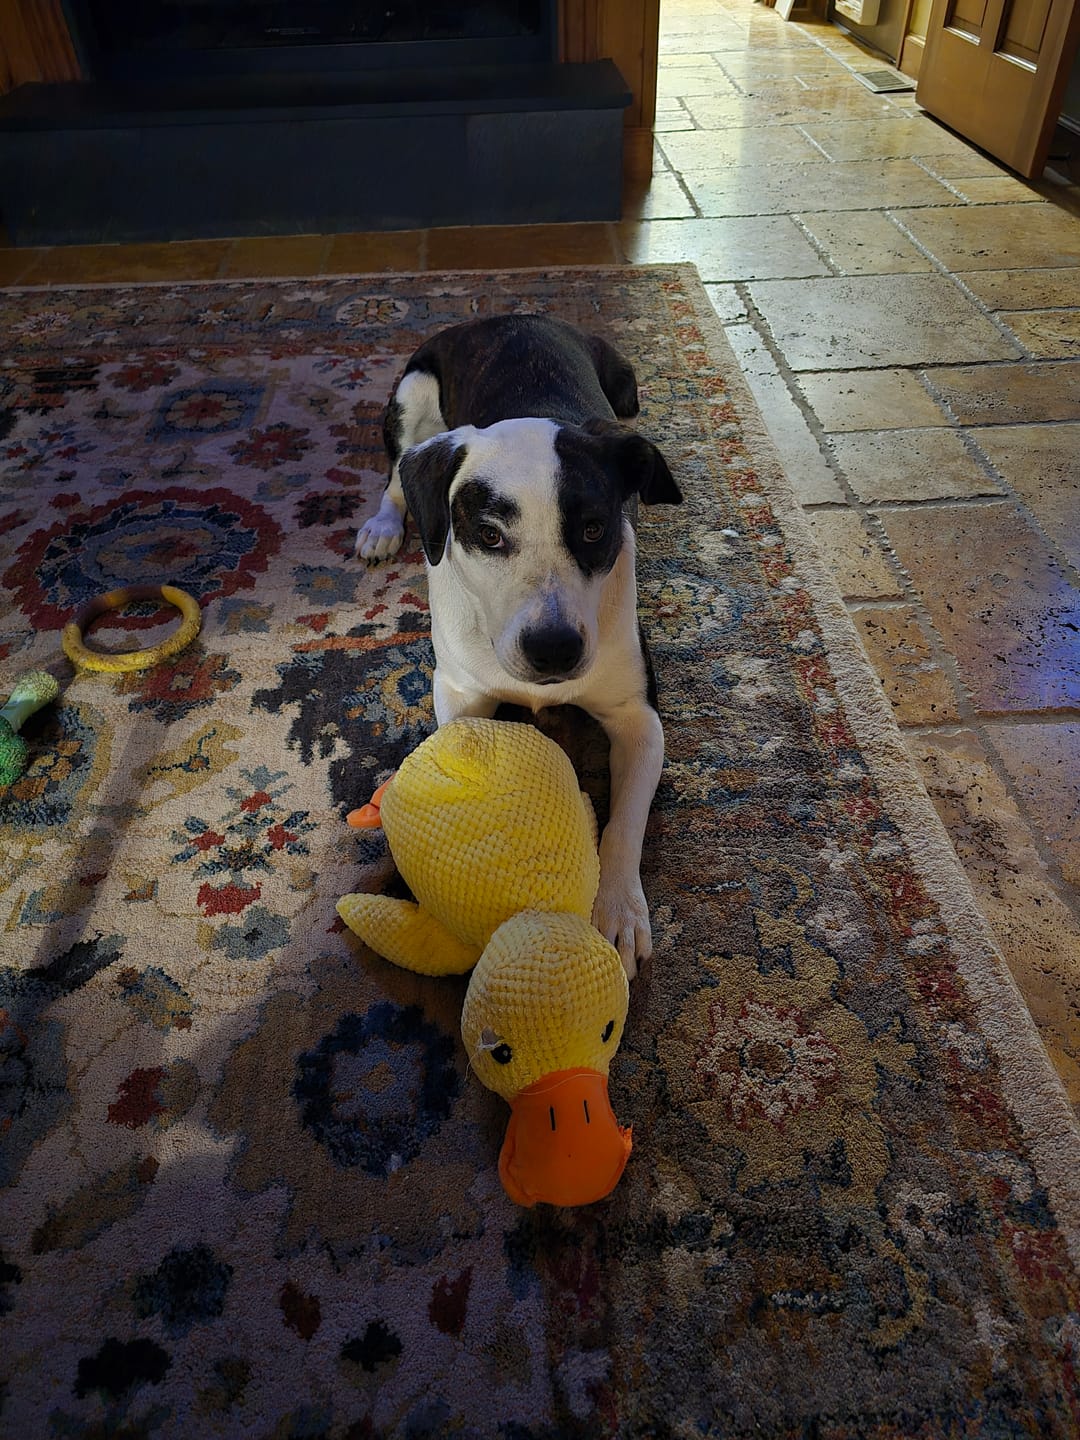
1034 1090
677 270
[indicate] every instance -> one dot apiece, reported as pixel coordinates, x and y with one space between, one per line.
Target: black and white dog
505 447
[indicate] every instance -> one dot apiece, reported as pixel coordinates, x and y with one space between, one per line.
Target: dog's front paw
379 537
622 916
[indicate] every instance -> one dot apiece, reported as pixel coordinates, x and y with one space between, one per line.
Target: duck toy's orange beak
563 1144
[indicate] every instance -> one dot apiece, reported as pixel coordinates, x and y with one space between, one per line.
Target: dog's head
529 516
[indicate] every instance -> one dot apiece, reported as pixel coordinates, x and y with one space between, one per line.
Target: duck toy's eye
498 1049
609 1030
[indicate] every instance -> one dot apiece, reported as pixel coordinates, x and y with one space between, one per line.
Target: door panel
995 70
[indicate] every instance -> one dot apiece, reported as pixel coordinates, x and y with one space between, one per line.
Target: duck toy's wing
401 932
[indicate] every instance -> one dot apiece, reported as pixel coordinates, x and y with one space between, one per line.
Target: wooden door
995 70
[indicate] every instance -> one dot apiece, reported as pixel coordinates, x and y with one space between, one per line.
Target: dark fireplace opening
144 39
201 118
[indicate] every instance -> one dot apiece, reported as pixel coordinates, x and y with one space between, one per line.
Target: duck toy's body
490 831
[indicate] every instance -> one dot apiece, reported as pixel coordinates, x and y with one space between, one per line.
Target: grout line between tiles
966 291
971 443
970 717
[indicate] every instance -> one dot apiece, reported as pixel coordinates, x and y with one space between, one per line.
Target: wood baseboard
35 44
637 152
911 56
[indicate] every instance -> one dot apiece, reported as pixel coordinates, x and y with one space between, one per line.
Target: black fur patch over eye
590 503
482 517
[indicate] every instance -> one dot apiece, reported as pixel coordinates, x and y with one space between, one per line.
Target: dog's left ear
641 467
427 471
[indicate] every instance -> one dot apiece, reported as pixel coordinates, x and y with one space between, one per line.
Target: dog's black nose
553 651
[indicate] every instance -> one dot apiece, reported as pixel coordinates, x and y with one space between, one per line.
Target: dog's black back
505 367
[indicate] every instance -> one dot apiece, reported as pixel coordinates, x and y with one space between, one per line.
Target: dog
506 447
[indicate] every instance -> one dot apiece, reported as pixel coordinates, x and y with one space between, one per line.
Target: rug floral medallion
250 1187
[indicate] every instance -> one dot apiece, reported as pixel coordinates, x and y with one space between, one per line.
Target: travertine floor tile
709 80
276 255
1038 934
996 190
962 164
14 263
806 468
700 151
865 242
999 600
728 303
798 107
853 555
1010 394
662 199
870 400
736 248
890 138
1046 334
674 45
693 59
492 246
860 320
1006 237
857 185
669 120
807 62
381 250
1043 762
1042 464
104 264
1023 289
911 465
903 656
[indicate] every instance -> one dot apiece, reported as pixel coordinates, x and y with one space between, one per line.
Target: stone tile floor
908 315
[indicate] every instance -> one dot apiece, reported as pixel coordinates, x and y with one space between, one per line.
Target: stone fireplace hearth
204 118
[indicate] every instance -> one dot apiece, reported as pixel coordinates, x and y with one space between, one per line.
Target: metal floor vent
882 80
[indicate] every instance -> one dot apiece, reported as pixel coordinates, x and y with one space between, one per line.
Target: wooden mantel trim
35 44
628 32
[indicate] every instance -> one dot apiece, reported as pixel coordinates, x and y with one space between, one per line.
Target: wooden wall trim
35 44
626 31
911 56
579 29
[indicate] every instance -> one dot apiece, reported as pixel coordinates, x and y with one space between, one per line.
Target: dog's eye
490 537
502 1054
608 1031
593 531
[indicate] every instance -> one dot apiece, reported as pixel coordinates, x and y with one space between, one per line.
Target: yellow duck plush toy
490 831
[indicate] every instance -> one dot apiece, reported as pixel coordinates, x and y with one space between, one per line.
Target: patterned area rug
251 1188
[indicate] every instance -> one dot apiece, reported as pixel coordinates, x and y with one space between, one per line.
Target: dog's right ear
427 471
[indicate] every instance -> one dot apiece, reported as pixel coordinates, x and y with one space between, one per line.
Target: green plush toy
32 690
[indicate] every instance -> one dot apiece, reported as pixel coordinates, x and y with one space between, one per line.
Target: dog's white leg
636 760
413 415
453 702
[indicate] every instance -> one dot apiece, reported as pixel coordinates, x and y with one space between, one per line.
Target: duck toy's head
543 1016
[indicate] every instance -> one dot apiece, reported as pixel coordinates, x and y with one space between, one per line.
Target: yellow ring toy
86 659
